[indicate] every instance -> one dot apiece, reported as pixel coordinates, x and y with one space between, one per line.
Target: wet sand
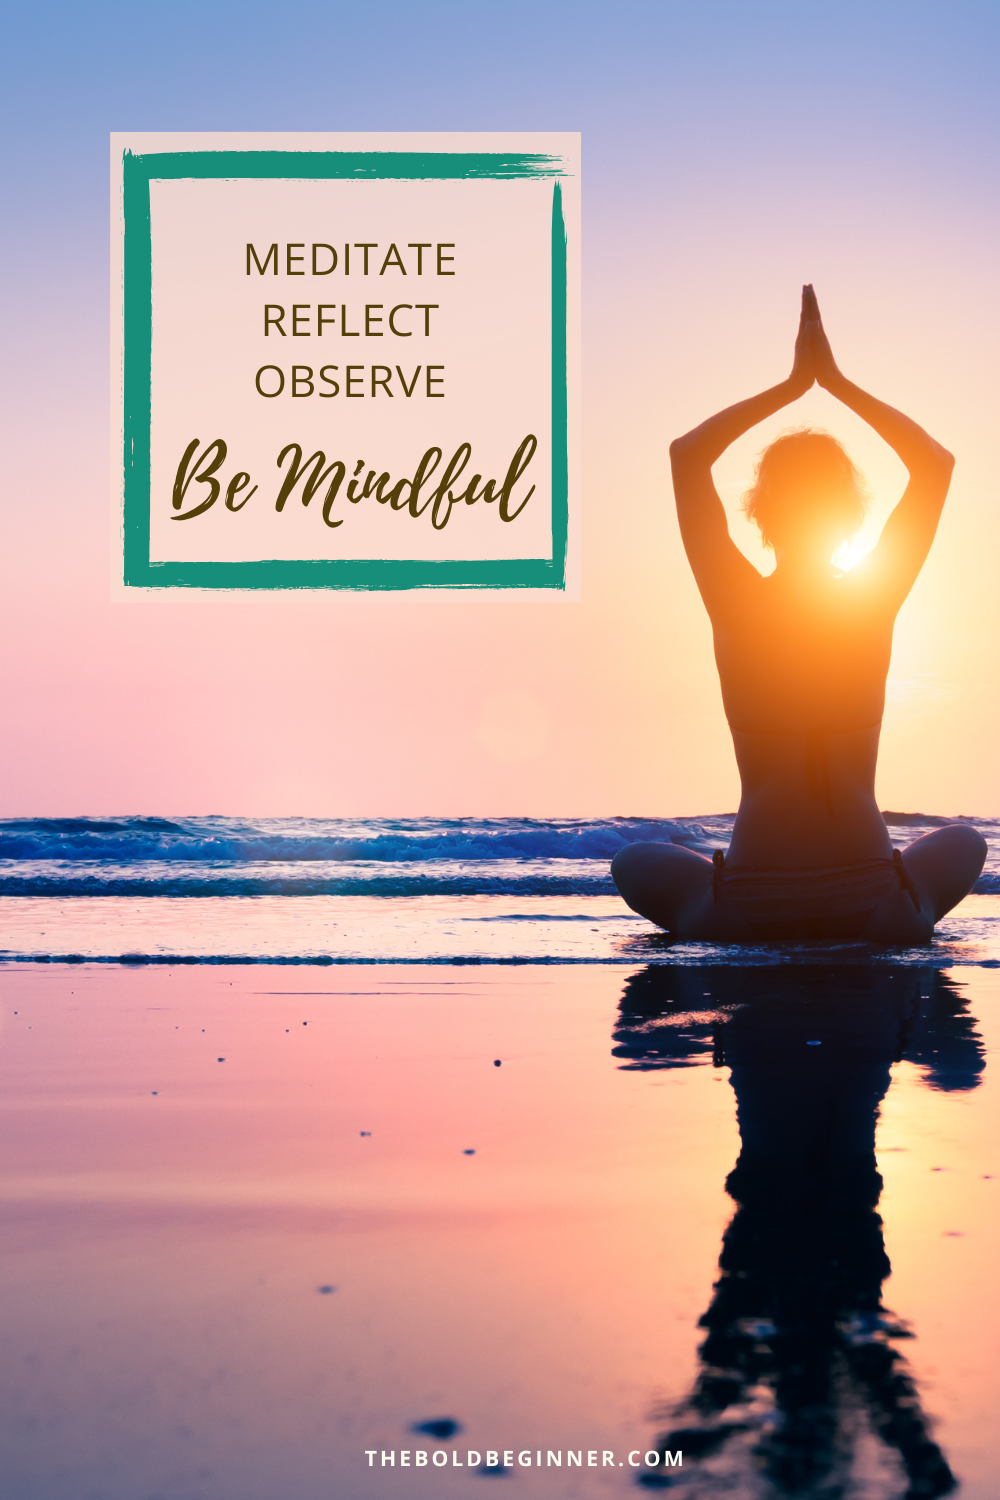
427 929
259 1220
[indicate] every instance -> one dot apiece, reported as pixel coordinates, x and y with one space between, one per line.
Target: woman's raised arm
908 533
717 563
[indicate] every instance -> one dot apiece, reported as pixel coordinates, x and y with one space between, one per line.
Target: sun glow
849 553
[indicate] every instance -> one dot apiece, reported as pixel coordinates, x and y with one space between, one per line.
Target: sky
731 151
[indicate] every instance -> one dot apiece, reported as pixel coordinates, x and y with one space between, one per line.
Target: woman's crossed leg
674 888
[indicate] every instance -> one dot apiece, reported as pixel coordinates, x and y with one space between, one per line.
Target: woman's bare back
802 665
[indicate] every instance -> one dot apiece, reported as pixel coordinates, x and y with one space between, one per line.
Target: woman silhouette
802 657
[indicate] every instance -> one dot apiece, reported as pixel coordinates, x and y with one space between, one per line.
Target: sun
850 553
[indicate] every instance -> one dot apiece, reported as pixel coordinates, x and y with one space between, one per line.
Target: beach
289 1177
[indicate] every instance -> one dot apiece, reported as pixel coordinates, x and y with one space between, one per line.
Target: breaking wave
215 856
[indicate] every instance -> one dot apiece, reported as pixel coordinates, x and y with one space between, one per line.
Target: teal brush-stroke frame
334 573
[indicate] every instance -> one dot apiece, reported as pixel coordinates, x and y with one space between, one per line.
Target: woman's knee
648 858
655 879
959 844
946 864
635 865
971 841
626 858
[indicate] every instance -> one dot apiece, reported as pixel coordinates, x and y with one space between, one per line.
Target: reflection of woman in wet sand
801 1379
803 656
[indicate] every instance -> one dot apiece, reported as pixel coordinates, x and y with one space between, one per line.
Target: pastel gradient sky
731 151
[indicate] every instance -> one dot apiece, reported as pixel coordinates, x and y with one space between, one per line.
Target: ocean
315 890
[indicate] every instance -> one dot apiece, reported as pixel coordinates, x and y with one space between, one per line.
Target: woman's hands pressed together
824 365
814 361
804 363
